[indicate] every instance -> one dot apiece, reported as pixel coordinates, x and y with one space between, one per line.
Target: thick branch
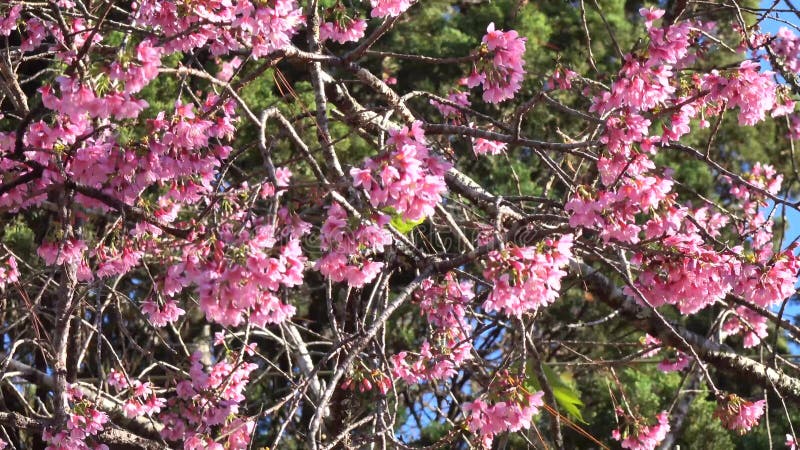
720 356
108 436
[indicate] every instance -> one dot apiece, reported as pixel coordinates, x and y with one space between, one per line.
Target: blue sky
792 216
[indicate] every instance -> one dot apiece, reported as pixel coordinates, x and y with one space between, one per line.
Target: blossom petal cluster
749 323
639 436
487 420
222 26
342 32
207 404
351 250
409 180
501 71
390 8
84 422
444 305
738 414
249 283
527 278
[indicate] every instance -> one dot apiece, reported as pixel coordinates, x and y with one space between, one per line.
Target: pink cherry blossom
738 414
409 179
391 8
501 72
483 146
637 435
162 315
487 420
680 362
526 278
8 22
343 32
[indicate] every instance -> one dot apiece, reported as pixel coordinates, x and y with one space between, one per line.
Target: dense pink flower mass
527 278
184 179
343 31
223 26
206 401
392 8
738 414
351 253
444 305
749 88
501 70
487 420
408 180
639 436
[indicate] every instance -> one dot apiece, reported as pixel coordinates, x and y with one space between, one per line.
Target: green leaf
566 394
402 225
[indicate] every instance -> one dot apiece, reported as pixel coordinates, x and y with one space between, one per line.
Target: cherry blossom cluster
527 278
207 404
9 273
662 279
247 282
84 422
638 435
181 153
366 380
460 98
766 277
391 8
511 408
501 67
164 314
78 101
786 46
222 26
680 362
142 399
69 251
408 180
483 146
444 304
681 268
631 185
748 87
242 265
612 211
75 251
350 253
561 79
652 343
8 22
343 29
112 261
745 321
134 75
760 275
738 414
